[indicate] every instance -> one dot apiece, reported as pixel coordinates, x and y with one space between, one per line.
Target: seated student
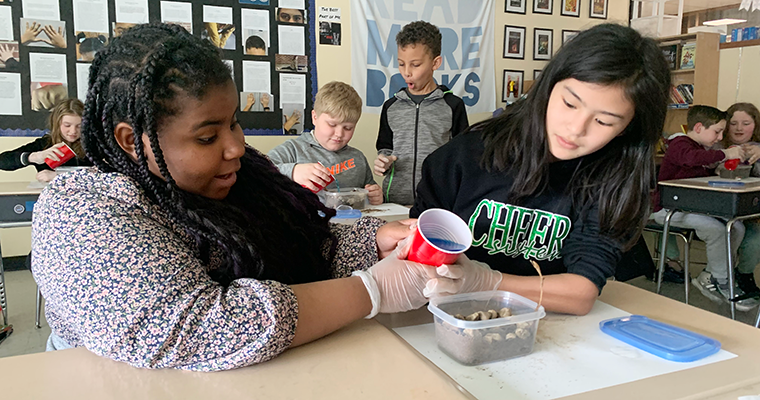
744 130
255 46
337 109
690 156
65 124
562 176
186 249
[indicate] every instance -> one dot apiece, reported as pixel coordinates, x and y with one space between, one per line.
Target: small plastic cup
732 164
68 154
440 238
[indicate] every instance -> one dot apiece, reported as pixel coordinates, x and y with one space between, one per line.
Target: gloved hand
464 276
395 284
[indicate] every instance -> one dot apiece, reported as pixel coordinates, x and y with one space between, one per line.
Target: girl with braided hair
183 248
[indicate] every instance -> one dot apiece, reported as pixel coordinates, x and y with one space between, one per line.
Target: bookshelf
703 77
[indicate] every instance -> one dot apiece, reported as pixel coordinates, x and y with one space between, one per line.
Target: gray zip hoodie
348 165
411 132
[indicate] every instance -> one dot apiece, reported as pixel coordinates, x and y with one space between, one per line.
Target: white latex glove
465 276
396 284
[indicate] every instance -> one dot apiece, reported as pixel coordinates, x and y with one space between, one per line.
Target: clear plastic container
356 198
479 342
742 171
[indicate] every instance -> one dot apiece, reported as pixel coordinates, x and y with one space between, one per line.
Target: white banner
466 48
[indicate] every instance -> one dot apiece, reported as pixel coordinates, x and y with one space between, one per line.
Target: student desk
368 361
16 202
695 195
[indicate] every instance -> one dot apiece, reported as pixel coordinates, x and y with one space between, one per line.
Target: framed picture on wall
542 43
536 74
568 34
543 6
513 86
571 8
598 9
514 42
514 6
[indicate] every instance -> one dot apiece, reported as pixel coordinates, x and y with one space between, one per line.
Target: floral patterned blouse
126 283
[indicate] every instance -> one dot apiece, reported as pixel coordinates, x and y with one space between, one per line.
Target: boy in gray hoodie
313 157
419 118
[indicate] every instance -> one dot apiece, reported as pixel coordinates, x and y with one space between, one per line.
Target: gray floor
26 339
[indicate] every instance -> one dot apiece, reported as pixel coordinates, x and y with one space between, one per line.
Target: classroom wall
617 12
738 78
334 63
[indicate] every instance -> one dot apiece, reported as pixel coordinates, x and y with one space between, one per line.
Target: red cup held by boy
731 164
440 238
68 154
320 187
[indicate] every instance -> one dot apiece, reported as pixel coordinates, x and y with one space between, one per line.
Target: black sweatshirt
12 160
544 227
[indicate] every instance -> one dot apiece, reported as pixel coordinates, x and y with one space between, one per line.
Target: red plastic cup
320 187
68 154
440 238
732 164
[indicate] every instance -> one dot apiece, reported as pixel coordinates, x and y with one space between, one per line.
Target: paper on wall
291 40
10 94
132 11
41 9
90 15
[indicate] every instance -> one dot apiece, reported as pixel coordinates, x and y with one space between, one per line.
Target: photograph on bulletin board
9 57
47 58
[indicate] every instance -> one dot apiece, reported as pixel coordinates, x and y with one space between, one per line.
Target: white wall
739 76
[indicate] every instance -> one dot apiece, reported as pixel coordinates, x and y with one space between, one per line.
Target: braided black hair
268 227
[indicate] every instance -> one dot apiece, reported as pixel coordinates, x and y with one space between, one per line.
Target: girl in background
65 129
743 129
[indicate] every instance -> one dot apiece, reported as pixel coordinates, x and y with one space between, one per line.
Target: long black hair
620 176
268 227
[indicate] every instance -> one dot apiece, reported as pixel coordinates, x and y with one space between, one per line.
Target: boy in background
420 118
337 109
690 156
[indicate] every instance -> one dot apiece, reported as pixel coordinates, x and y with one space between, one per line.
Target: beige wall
738 79
617 12
334 63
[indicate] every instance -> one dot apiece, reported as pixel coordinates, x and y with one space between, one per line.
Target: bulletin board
47 46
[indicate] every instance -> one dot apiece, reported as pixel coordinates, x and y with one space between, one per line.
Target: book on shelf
681 96
671 55
688 55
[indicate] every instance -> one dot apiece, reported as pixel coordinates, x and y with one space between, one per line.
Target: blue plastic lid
658 338
348 213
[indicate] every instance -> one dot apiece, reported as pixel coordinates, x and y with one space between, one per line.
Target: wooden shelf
704 75
676 38
741 43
